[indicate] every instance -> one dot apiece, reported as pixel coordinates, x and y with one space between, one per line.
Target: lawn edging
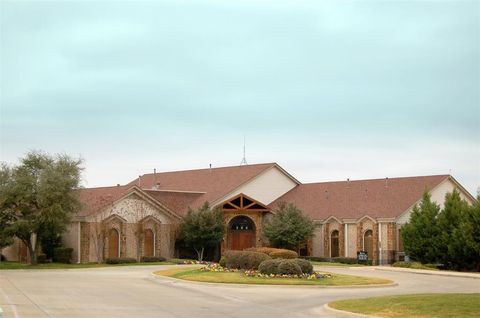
428 272
174 279
347 313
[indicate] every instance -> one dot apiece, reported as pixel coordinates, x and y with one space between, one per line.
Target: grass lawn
421 305
15 265
314 263
195 274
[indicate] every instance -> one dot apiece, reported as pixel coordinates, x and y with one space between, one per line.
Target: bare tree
139 214
98 234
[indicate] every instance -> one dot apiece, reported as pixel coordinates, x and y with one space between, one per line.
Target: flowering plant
214 267
314 275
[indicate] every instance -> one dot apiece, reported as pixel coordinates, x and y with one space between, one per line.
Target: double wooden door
242 239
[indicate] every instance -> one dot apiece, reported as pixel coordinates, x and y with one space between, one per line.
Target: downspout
79 244
379 243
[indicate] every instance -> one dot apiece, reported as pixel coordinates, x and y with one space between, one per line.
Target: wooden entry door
241 233
113 243
242 239
335 246
148 243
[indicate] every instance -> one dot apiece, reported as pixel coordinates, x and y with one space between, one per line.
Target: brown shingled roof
179 202
214 182
353 199
178 189
93 199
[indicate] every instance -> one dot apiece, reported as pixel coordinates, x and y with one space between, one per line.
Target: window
334 244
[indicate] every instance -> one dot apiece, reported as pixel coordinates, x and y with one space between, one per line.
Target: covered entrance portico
243 217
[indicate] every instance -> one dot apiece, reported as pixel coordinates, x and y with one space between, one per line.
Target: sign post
362 257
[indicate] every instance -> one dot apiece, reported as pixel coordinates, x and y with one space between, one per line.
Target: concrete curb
157 276
428 272
347 313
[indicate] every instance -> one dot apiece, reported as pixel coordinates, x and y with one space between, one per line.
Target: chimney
348 183
118 184
386 182
139 181
154 178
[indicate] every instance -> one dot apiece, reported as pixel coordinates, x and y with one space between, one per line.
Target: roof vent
156 186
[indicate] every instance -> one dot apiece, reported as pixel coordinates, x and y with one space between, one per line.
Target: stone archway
241 233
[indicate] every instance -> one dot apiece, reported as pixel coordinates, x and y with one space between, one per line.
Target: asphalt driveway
133 292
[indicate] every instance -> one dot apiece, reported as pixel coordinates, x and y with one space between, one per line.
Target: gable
438 195
132 208
243 202
265 187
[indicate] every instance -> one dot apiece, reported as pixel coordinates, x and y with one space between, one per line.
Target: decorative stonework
85 242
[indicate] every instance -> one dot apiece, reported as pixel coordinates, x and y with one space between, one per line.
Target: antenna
244 159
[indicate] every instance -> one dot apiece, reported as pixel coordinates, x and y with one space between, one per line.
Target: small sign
362 256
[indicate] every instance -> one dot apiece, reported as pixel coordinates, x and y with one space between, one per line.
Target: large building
141 218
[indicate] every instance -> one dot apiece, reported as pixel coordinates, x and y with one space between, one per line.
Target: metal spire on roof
244 159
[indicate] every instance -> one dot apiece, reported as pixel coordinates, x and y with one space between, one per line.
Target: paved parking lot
133 292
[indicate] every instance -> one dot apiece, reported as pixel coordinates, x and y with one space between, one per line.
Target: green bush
120 260
244 259
62 254
289 267
414 265
345 260
273 266
3 258
269 266
222 262
305 266
284 254
41 258
150 259
274 252
317 259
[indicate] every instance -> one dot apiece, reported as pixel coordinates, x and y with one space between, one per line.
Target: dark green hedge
148 259
62 254
244 259
120 260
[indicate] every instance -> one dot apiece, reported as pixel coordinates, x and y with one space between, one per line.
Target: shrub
317 259
222 262
62 254
3 258
305 266
414 265
269 266
149 259
274 252
289 267
244 259
41 258
120 260
345 260
284 254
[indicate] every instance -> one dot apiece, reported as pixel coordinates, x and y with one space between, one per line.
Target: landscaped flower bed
214 267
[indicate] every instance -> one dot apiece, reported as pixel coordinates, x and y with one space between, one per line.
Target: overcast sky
329 90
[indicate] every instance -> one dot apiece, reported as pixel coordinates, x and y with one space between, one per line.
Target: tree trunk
32 252
200 253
